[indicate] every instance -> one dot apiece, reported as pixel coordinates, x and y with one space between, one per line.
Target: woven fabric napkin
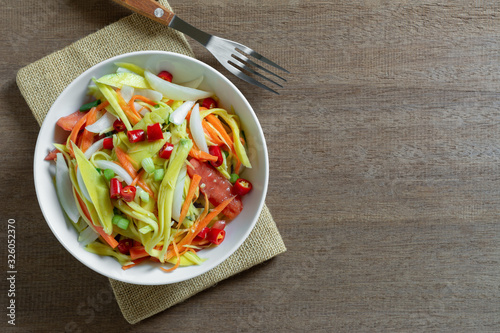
62 67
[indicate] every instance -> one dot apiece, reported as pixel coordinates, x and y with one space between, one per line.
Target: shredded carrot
199 154
216 123
88 137
237 167
108 238
198 226
74 132
131 114
176 250
212 133
136 179
102 105
124 160
189 198
142 98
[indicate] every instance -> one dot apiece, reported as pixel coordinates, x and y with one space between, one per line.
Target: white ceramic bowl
183 69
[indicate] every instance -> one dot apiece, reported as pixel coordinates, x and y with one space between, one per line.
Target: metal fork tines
235 57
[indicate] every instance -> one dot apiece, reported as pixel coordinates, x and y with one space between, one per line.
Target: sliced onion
65 189
179 190
82 186
193 83
123 70
197 129
149 94
103 124
127 93
95 147
87 236
116 168
174 91
178 116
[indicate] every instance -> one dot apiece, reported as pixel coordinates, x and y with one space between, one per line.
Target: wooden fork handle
149 8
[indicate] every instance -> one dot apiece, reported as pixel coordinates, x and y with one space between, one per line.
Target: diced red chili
216 236
137 252
242 186
119 126
215 151
209 103
166 151
52 155
203 233
115 188
136 135
154 132
128 193
124 245
108 143
221 224
166 76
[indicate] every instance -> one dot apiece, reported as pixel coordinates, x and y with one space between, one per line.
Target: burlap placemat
62 67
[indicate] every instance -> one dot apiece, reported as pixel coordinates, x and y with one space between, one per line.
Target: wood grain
384 169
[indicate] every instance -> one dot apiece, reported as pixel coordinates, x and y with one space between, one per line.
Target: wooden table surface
384 170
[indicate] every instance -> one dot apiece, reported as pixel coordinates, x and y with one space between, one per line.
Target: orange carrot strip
212 133
178 260
199 154
189 198
131 114
197 227
216 123
108 238
74 132
102 105
136 179
142 98
124 160
88 137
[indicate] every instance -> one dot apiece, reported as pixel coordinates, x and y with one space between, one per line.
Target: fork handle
149 8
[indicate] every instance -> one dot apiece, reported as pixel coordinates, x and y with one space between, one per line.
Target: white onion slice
178 116
174 91
118 170
65 189
123 70
153 95
82 186
193 83
197 129
104 123
179 190
87 236
127 92
92 149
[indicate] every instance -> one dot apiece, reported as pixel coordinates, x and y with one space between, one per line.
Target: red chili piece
124 245
203 233
115 188
209 103
118 125
215 151
166 151
242 186
108 143
128 193
221 224
216 236
165 76
136 135
154 132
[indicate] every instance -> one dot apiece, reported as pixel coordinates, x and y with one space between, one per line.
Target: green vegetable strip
105 250
166 193
110 95
97 188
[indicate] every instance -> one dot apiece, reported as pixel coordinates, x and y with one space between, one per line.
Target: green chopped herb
116 219
148 165
108 134
123 223
159 174
88 106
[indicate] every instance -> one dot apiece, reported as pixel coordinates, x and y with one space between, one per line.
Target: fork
235 57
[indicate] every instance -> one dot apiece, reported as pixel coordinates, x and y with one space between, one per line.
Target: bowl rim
39 158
